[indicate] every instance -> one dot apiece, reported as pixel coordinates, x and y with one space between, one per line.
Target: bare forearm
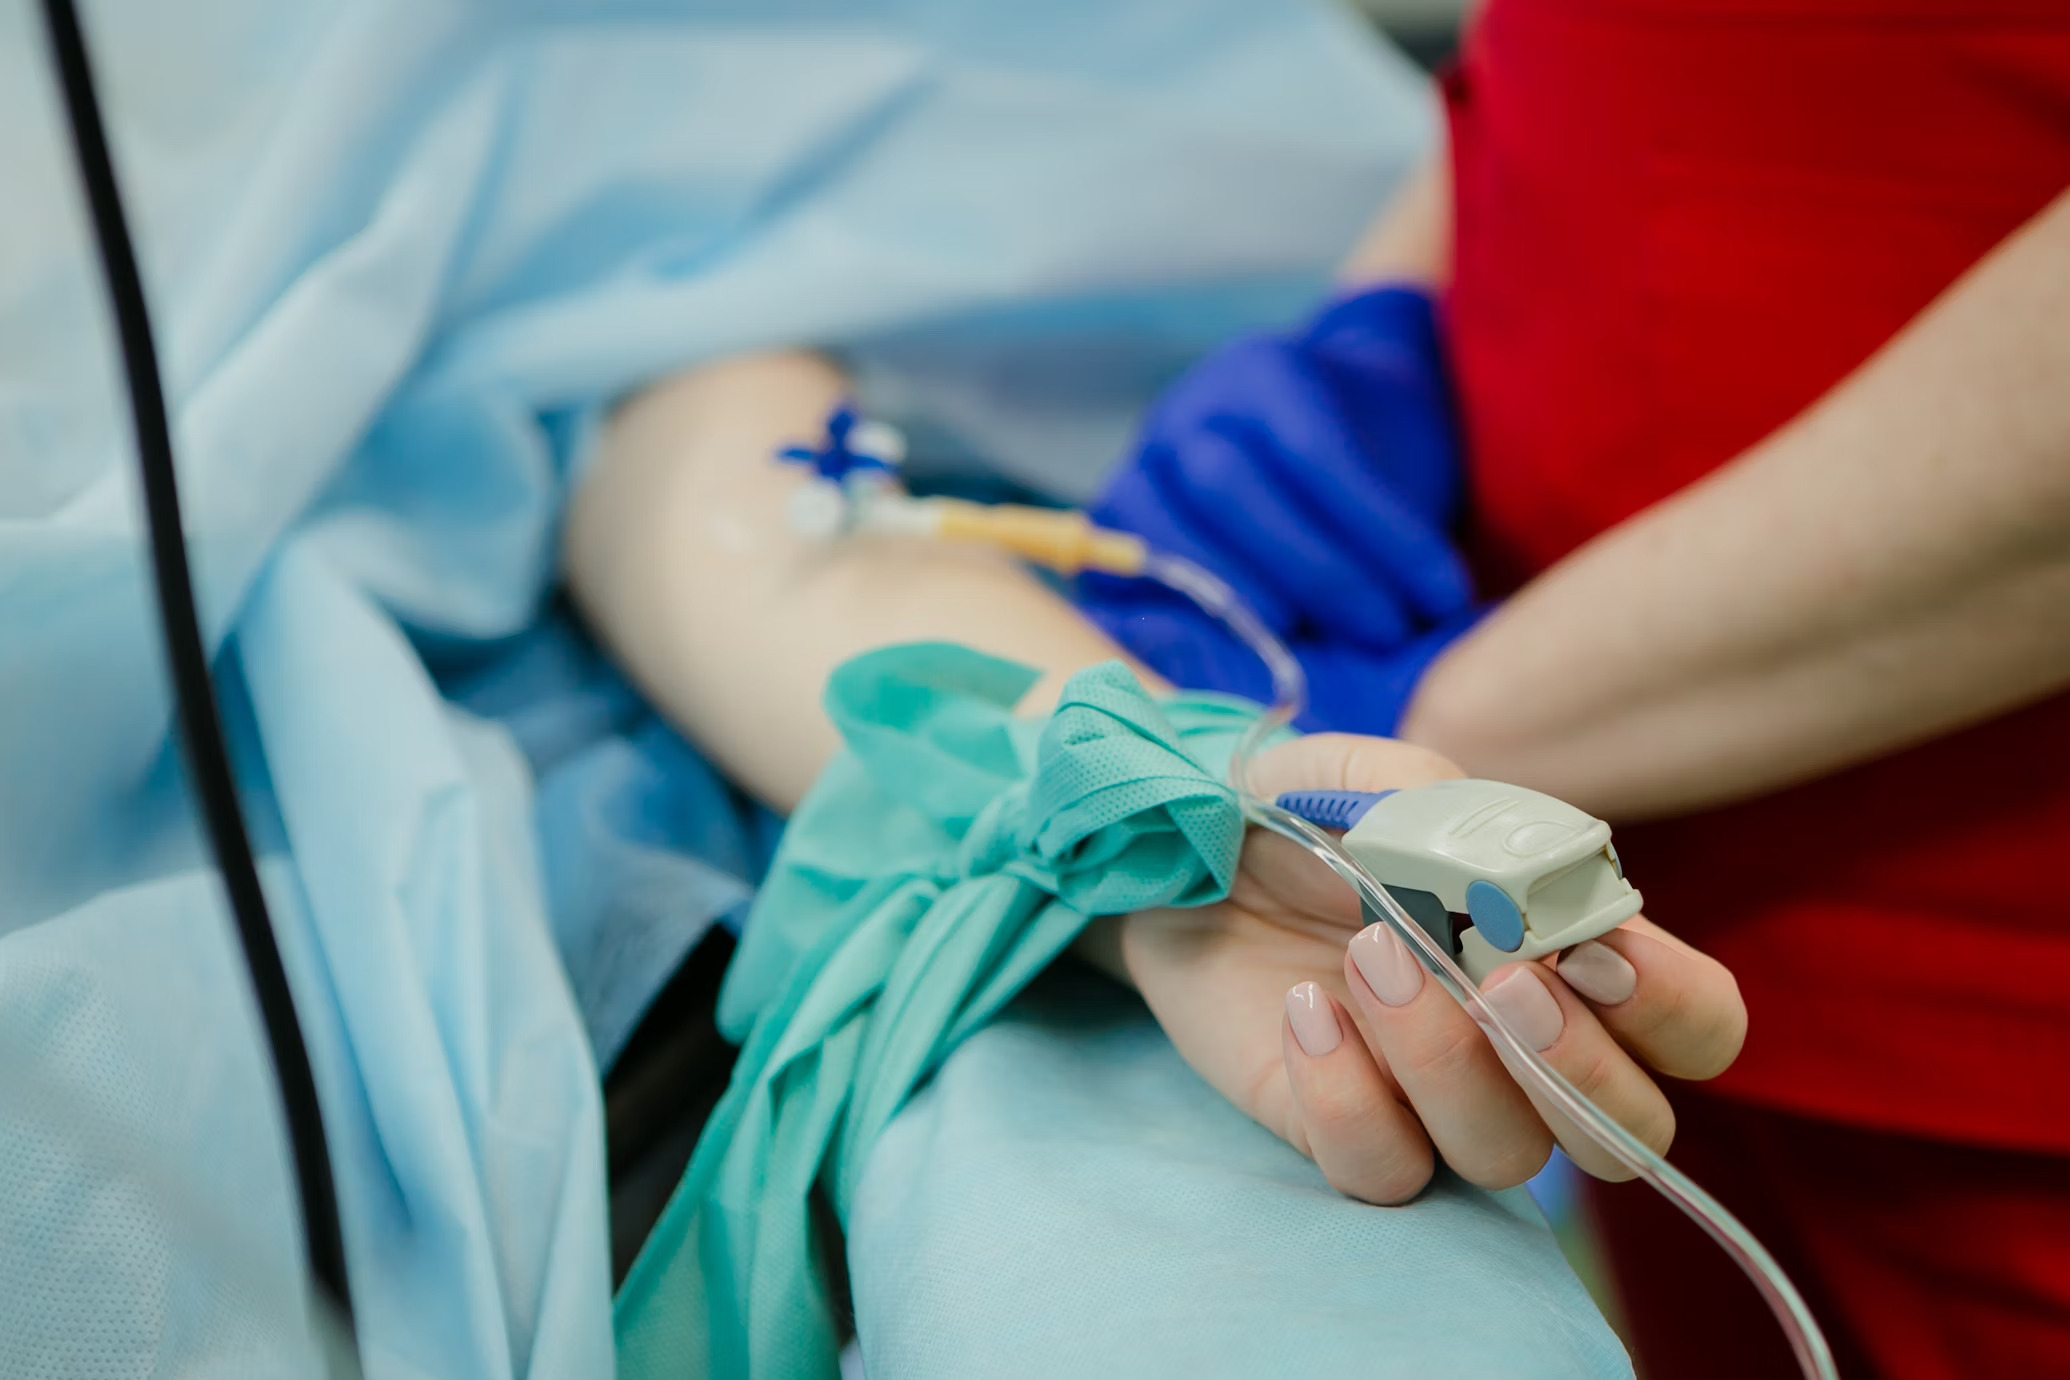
678 552
1892 565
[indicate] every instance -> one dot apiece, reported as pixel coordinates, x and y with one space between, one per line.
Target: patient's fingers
1367 1144
1547 1015
1675 1008
1484 1122
1479 1119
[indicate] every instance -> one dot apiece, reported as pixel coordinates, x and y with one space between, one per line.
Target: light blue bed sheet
1068 1198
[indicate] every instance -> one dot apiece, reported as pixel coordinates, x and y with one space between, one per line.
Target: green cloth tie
946 857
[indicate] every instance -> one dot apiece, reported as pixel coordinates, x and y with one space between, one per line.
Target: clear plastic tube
1289 689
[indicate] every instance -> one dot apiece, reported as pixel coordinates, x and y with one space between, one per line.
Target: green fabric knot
1117 815
944 859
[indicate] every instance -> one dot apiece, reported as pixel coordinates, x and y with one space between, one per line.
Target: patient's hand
1337 1040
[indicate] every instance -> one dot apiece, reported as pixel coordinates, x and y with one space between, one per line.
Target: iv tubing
1289 692
1063 539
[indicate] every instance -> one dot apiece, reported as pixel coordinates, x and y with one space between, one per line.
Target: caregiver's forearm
678 552
1892 565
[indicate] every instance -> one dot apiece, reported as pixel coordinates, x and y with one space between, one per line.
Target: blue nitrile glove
1316 472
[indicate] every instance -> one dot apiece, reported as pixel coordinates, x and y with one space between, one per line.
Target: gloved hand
1317 473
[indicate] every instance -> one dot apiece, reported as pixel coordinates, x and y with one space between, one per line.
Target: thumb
1346 762
1284 870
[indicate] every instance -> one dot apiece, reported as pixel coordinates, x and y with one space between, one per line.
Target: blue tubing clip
1331 809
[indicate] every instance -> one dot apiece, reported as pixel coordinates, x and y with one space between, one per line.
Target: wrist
1438 712
1126 947
1146 942
1351 690
1399 315
1100 945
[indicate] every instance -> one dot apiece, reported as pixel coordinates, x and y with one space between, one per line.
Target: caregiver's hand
1316 471
1357 1058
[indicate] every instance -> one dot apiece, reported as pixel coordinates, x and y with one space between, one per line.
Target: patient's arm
679 554
678 551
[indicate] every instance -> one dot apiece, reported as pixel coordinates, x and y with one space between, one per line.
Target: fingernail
1599 973
1387 965
1314 1023
1531 1010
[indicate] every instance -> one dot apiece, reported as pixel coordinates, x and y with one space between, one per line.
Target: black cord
200 728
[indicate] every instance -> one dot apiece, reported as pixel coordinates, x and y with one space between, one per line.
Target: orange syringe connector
1065 540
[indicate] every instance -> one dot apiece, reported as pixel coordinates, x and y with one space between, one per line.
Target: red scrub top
1678 223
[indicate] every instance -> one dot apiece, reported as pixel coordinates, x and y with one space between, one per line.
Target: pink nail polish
1599 973
1314 1022
1387 965
1532 1011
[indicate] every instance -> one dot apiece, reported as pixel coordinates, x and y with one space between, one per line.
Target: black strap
201 729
